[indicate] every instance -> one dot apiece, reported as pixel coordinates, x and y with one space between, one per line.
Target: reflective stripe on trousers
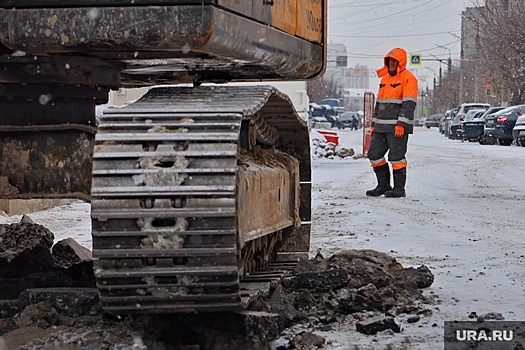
386 142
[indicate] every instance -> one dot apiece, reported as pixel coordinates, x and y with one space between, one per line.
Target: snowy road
463 218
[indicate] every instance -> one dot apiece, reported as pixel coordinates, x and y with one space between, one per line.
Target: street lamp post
434 95
440 60
449 61
422 98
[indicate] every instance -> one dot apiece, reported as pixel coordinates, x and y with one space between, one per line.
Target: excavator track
165 200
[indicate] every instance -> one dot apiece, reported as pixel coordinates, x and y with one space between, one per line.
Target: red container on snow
330 136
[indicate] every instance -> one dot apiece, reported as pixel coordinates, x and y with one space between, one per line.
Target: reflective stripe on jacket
396 97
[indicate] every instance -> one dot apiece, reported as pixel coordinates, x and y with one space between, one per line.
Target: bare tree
319 89
316 89
448 91
502 54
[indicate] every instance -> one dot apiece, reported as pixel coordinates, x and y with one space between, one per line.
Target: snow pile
321 148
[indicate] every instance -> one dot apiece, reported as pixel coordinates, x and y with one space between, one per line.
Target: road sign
415 59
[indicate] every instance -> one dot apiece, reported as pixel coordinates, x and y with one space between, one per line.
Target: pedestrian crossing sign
415 59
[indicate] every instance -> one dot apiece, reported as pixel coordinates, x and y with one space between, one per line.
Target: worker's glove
399 131
371 130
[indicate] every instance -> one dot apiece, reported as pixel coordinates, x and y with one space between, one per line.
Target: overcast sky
370 28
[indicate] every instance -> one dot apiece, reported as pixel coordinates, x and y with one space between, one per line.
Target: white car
465 107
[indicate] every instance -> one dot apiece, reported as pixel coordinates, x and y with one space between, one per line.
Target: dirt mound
369 285
352 281
364 287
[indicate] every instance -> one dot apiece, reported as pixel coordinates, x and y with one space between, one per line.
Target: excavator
199 191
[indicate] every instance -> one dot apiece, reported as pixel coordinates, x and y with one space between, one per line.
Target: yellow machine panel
302 18
310 20
284 15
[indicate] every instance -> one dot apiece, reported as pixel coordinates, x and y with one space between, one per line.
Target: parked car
487 138
518 132
318 120
471 129
314 110
433 120
491 110
473 113
465 112
465 107
454 133
453 125
449 121
330 114
467 130
477 125
499 125
488 121
346 120
443 120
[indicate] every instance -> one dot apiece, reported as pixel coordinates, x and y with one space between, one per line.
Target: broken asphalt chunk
377 324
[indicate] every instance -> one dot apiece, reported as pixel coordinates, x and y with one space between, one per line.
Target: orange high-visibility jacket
396 97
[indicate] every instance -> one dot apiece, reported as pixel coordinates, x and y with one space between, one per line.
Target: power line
370 3
382 36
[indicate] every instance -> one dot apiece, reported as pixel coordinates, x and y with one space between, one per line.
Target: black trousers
386 142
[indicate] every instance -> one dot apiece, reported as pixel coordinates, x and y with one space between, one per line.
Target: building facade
336 65
471 80
357 77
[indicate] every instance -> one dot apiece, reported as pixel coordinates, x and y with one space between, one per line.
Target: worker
353 125
392 122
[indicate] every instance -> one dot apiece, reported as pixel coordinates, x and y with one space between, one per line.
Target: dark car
433 120
487 138
518 132
348 120
314 110
478 122
472 128
330 114
499 125
454 126
491 110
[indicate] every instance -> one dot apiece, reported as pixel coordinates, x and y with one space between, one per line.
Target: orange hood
396 53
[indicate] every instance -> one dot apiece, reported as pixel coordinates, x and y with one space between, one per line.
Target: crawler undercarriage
200 193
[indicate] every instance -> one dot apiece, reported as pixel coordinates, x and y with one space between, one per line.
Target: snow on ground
68 221
462 217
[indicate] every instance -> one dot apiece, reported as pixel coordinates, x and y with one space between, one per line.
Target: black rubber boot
400 179
383 181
